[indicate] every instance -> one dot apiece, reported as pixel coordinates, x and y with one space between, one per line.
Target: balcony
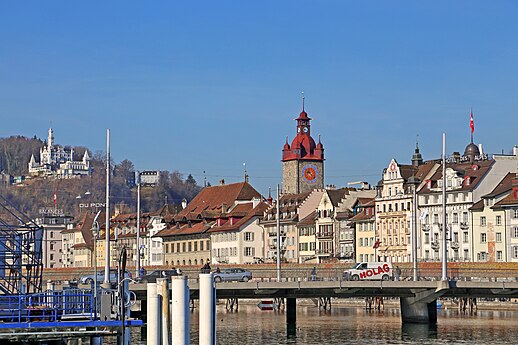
324 235
324 252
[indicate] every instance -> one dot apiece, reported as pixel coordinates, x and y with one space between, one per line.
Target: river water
355 325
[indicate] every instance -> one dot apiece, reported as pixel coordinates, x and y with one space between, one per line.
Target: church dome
471 150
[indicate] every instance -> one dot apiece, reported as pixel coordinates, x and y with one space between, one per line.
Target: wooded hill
34 193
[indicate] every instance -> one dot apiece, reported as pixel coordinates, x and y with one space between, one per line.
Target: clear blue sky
210 85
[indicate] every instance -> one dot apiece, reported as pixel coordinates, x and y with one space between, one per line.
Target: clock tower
303 160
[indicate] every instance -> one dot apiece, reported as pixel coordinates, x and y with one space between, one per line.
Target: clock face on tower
310 173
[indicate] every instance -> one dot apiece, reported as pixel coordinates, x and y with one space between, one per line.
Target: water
354 325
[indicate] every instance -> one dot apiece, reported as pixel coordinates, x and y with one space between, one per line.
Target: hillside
70 193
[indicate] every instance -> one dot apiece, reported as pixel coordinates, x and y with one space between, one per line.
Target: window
249 251
499 237
483 221
249 236
498 220
483 238
455 218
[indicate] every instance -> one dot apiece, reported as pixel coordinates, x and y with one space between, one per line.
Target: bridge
418 299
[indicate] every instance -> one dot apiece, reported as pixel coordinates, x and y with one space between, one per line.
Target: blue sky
210 85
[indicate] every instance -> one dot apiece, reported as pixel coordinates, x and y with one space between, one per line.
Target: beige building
394 207
365 230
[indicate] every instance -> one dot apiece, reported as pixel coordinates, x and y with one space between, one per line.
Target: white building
56 160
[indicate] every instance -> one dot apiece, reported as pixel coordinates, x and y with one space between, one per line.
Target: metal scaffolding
21 263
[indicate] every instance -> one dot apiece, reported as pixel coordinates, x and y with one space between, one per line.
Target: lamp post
95 232
414 182
137 264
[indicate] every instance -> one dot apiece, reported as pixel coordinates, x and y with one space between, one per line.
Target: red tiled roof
505 185
478 206
308 220
258 211
209 201
186 229
464 169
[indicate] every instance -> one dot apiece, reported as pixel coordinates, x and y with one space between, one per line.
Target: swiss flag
376 244
471 123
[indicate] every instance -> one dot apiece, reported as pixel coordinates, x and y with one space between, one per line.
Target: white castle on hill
58 161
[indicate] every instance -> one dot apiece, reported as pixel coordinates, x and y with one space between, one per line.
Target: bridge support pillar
422 308
291 314
418 312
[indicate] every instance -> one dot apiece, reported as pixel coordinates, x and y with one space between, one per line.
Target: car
232 275
90 278
152 276
369 271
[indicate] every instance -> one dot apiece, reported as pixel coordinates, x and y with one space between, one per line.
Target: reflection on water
349 325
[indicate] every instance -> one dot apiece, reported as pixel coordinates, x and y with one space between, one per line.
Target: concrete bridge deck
345 289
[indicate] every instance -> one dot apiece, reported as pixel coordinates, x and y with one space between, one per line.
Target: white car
369 271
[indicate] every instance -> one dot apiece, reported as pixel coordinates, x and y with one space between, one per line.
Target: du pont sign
92 205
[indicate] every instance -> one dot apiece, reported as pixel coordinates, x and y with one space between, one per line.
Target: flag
55 199
376 244
471 123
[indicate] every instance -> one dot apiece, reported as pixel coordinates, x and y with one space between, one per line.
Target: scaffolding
21 265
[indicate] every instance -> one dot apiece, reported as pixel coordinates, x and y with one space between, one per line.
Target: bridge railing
46 306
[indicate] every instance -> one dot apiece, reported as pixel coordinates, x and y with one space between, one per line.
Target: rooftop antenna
246 175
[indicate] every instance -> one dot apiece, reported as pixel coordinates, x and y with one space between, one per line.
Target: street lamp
95 232
137 264
414 182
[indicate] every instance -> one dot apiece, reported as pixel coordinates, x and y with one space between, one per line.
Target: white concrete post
163 290
207 309
180 313
154 332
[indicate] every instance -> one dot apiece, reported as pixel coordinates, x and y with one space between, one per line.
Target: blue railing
47 306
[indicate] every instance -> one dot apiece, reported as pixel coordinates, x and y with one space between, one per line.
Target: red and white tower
303 160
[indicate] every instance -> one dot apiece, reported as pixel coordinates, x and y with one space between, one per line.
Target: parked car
232 275
90 278
152 276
